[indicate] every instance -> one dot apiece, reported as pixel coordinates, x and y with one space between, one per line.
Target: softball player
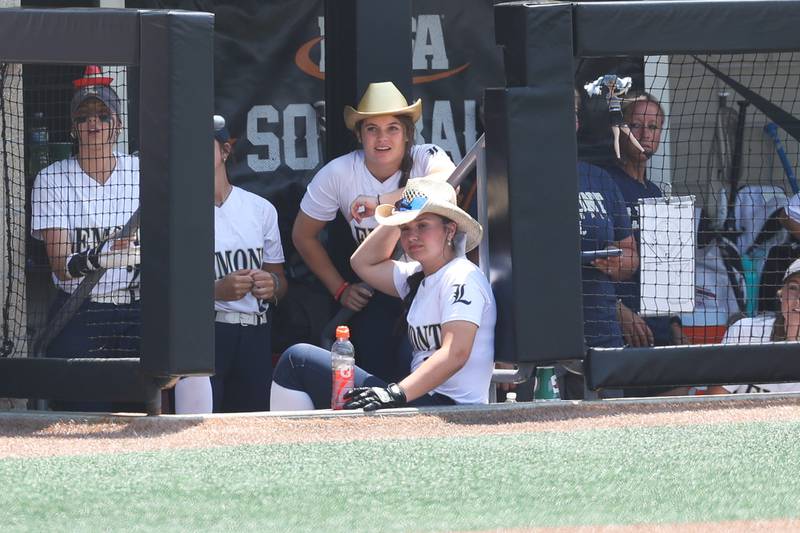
78 204
248 266
451 312
355 184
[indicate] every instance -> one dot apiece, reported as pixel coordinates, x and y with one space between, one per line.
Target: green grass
620 476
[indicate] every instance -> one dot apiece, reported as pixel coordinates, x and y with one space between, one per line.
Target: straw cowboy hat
430 195
381 99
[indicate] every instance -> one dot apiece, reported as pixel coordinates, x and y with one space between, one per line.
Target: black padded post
366 41
177 191
533 188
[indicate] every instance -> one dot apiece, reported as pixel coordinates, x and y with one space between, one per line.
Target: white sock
193 396
283 399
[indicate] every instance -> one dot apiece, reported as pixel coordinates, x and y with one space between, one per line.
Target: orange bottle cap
342 332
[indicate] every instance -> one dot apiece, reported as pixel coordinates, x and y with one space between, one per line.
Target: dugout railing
168 56
532 188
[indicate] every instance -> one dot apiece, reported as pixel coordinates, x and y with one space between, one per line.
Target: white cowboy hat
381 99
430 195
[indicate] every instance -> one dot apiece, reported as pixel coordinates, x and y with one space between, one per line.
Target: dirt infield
30 434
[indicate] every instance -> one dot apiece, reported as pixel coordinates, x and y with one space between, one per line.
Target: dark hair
414 281
778 329
408 161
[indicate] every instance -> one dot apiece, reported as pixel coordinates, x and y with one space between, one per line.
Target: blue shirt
629 291
603 220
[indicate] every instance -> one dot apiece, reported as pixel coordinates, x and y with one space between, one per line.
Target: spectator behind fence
784 326
645 117
604 223
78 206
248 269
355 184
450 310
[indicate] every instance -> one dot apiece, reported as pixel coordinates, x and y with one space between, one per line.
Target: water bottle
38 146
546 387
343 364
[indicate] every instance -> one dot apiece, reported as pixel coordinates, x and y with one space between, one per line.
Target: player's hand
234 286
355 296
372 398
263 284
634 329
363 207
119 253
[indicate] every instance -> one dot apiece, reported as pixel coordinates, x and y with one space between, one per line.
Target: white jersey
457 291
342 180
246 235
756 330
65 197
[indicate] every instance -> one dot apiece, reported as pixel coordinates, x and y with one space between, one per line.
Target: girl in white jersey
354 184
451 311
763 329
78 204
248 269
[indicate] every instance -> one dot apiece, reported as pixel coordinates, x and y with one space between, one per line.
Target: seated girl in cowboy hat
355 184
450 311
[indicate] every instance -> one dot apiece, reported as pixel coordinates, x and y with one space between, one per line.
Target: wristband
340 291
276 281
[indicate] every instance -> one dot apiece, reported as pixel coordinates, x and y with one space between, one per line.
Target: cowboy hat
381 99
430 195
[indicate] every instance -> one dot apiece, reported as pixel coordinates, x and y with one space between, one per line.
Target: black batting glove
372 398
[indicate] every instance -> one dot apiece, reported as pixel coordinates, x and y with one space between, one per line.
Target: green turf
621 476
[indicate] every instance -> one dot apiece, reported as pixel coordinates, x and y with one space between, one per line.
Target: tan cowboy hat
381 99
430 194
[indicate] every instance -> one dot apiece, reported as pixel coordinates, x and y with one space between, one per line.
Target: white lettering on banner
428 42
293 112
263 138
443 131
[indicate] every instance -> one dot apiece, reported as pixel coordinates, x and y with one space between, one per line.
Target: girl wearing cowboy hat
450 311
354 184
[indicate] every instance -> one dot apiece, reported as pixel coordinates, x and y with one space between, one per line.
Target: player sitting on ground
451 311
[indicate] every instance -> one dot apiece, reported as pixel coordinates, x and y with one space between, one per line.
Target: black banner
269 73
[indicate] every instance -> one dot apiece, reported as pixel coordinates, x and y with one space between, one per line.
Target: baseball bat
771 129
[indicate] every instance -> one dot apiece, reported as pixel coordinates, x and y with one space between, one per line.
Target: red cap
342 332
93 75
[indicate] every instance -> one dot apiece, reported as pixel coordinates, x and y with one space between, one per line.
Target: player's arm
57 245
305 236
372 260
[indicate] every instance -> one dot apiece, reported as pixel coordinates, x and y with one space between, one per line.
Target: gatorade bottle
546 384
343 364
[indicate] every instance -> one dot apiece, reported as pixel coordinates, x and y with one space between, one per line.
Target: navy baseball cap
102 93
221 133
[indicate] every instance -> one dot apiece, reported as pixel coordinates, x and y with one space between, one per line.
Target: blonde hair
640 96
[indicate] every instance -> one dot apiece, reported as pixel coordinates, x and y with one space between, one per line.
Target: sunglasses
102 117
405 205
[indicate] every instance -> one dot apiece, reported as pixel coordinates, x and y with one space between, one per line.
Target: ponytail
414 281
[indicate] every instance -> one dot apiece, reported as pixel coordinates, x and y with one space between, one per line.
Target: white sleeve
47 205
464 299
402 271
273 250
436 158
793 209
320 201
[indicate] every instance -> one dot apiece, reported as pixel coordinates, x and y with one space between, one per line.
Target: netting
70 278
706 193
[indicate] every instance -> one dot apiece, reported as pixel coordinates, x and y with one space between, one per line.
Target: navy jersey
629 291
603 220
